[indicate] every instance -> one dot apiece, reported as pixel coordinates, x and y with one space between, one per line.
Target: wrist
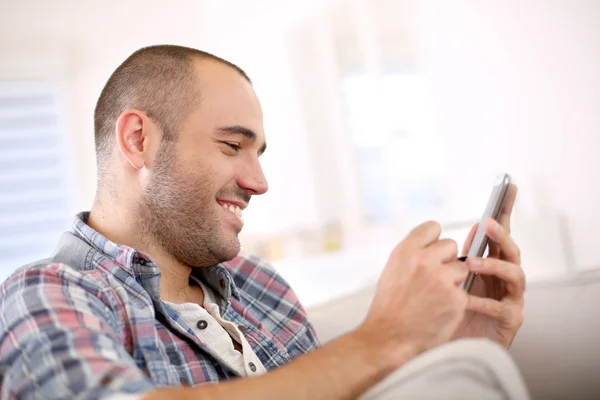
385 354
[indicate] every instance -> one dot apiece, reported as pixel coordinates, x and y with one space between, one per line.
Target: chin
235 251
229 250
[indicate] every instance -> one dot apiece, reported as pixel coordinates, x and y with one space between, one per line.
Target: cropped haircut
158 80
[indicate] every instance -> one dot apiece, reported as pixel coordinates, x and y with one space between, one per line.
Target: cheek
210 174
224 172
183 183
200 184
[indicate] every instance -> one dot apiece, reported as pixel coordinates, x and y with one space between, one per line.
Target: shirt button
105 380
202 324
242 328
252 366
142 261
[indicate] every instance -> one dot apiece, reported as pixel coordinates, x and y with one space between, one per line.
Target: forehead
226 98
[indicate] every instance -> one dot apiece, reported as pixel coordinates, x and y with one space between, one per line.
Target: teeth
234 209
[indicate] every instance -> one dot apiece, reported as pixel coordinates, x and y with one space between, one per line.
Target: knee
478 345
468 368
484 351
489 362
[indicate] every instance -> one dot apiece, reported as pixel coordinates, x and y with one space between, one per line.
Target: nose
254 180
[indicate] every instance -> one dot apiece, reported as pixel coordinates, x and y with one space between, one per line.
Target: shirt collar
217 276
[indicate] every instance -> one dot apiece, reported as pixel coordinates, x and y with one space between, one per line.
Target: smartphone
492 210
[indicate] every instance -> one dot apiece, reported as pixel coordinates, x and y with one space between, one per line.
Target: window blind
36 189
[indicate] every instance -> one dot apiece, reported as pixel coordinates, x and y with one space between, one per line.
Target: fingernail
474 263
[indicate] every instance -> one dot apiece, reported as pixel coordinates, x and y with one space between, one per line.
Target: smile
231 208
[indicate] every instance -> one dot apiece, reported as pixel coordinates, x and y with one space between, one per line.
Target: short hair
158 80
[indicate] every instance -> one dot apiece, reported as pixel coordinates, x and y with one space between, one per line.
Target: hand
495 305
418 302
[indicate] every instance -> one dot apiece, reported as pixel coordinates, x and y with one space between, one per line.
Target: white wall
517 88
79 44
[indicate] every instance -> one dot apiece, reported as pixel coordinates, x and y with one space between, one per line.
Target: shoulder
48 273
44 285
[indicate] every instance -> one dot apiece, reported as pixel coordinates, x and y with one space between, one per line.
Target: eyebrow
242 130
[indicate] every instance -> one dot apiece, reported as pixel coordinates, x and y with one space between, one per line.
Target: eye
236 147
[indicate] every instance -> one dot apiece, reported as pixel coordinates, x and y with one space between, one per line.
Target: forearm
342 369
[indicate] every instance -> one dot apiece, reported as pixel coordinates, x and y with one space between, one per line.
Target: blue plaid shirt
90 323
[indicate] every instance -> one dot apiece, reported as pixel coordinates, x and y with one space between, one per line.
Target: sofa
557 348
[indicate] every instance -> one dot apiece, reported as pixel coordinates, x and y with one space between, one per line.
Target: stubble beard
178 212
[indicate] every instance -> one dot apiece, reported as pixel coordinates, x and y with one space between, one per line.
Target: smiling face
202 181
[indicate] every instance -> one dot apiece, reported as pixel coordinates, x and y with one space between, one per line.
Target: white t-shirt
217 334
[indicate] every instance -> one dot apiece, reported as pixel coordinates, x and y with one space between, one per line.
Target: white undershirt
218 333
217 336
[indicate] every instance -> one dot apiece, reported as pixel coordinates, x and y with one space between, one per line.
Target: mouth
232 207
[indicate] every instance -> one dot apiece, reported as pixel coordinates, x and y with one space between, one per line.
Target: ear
135 137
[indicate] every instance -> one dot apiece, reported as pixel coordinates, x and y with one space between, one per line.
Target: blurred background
379 114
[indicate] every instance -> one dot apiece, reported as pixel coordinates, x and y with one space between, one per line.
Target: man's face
200 183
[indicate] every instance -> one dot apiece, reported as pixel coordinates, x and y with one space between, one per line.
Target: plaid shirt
89 323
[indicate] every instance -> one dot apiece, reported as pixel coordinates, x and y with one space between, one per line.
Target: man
149 298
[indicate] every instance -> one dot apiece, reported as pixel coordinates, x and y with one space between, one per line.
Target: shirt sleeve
59 340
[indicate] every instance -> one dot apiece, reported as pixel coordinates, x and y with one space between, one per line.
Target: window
369 107
400 162
36 188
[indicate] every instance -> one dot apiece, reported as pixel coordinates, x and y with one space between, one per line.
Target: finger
469 239
425 234
457 272
486 306
507 207
509 313
499 236
443 250
511 274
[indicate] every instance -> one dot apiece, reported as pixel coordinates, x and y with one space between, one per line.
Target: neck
117 223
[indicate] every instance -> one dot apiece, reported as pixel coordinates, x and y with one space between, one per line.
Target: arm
418 305
58 339
58 335
343 369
